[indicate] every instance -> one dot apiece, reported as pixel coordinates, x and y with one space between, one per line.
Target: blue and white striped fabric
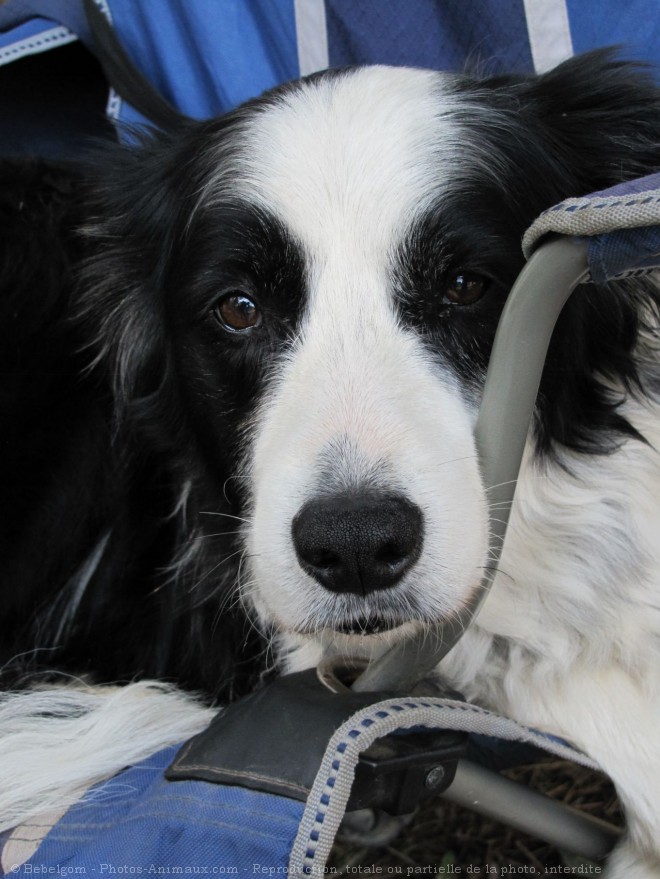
207 56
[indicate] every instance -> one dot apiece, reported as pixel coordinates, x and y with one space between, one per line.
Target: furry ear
135 211
587 125
601 116
592 122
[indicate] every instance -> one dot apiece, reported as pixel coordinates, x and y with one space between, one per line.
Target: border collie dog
240 373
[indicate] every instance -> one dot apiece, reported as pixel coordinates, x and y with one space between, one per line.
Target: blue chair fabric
138 824
207 56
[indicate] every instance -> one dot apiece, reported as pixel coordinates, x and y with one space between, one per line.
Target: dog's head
300 298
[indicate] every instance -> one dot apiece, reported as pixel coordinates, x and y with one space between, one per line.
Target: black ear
587 125
532 141
601 117
136 205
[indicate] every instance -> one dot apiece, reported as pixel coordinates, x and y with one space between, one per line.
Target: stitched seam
169 797
224 772
183 754
570 205
152 813
220 771
165 799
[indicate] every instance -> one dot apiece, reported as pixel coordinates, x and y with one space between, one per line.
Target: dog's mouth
364 622
361 627
365 626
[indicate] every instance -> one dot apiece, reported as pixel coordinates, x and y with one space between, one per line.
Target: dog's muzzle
358 543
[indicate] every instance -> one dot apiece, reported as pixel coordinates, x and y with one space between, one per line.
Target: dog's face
316 280
367 510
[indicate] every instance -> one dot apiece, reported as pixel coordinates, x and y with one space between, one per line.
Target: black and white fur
171 477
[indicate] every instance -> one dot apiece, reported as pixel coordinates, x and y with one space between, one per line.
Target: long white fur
569 638
58 741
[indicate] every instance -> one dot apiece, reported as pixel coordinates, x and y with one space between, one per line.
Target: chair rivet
435 777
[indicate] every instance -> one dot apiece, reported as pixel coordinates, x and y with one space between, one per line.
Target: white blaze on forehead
351 156
345 162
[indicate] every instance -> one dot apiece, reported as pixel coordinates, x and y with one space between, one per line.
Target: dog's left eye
465 289
237 312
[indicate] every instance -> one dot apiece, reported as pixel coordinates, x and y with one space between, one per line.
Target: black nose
358 543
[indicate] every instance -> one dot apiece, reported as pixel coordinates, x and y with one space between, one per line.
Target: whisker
455 460
501 485
224 515
496 570
214 534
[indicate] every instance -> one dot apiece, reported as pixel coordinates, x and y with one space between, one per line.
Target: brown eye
237 312
464 289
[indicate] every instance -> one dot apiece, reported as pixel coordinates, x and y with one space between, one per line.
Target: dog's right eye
237 312
465 289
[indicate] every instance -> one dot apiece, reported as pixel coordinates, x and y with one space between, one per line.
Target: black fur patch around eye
434 251
239 246
232 247
592 346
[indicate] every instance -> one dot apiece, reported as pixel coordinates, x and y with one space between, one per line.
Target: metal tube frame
524 809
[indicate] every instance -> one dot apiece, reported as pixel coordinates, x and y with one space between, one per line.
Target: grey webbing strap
596 215
513 379
330 791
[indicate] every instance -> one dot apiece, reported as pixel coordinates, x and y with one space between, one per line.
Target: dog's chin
364 640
